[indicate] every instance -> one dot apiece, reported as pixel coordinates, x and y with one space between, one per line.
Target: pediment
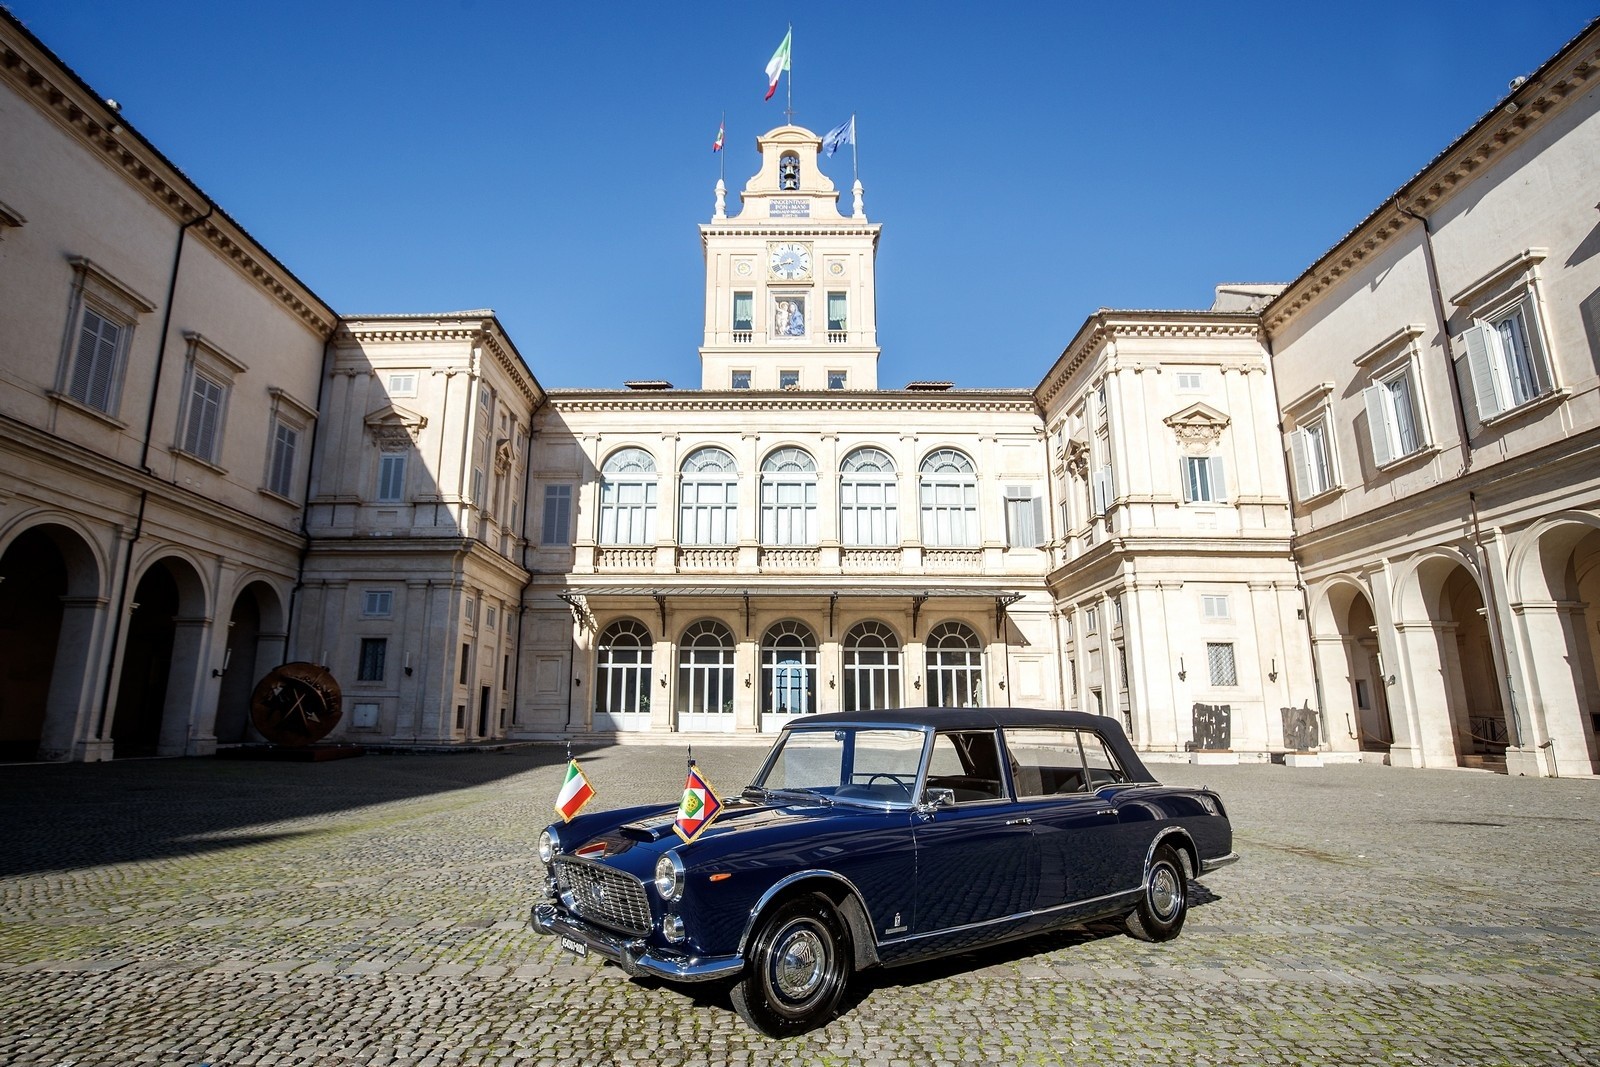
393 427
1198 427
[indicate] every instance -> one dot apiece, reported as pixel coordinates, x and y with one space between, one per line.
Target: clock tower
790 297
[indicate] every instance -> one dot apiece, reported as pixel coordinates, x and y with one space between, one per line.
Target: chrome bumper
1207 866
631 954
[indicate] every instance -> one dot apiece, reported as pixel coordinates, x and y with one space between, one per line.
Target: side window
968 763
1102 765
1046 762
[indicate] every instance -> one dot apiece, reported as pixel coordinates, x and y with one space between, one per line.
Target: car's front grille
603 895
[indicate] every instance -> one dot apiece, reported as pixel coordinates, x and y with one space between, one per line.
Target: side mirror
935 797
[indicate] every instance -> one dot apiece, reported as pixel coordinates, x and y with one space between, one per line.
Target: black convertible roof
989 719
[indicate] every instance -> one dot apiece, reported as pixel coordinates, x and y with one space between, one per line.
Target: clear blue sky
1029 162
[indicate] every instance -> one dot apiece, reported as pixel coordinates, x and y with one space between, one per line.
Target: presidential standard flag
843 134
777 65
700 805
716 146
575 792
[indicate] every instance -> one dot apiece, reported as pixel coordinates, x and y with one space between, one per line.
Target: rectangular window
1091 620
557 529
744 312
1507 360
469 610
94 368
1313 459
838 318
403 384
1101 490
490 616
1394 418
373 652
1216 607
477 488
285 444
1219 657
1024 517
741 379
466 658
1188 382
203 418
1202 479
378 603
391 478
485 397
838 379
788 379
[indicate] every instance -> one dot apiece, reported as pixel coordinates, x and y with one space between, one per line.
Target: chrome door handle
1106 811
1024 821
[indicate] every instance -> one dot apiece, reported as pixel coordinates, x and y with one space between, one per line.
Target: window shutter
1299 447
1378 423
1219 486
1186 476
1483 352
1101 490
1038 521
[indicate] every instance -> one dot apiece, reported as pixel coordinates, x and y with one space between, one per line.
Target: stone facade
1355 516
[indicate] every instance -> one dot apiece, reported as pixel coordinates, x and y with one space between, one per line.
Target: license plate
577 948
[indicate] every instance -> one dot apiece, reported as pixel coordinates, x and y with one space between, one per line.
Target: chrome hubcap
1164 897
798 968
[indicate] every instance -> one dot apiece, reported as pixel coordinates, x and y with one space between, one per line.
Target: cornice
1107 327
832 401
470 327
1524 110
36 75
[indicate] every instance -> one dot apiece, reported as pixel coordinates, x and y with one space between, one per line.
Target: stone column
69 709
1553 643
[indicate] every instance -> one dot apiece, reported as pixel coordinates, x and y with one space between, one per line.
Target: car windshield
851 764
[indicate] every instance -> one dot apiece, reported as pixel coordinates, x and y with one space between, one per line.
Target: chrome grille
604 895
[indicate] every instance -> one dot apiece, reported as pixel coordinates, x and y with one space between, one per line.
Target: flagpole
722 131
855 160
789 112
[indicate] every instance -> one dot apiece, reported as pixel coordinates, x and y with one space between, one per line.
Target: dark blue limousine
881 838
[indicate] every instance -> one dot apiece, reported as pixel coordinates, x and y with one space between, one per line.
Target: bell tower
790 296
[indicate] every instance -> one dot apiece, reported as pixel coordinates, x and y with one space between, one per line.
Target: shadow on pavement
66 816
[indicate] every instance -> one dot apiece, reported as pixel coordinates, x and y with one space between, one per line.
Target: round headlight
669 876
547 846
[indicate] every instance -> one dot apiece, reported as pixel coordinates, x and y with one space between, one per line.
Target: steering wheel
895 778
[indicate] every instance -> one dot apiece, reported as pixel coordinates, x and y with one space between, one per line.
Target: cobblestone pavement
371 911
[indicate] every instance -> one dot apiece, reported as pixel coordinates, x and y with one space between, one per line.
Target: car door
1076 833
976 861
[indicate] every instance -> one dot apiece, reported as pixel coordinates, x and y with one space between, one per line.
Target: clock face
790 260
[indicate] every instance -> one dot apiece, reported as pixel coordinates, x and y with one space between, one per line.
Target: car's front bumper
633 955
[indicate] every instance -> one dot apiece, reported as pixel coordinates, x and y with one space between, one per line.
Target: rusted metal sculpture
296 704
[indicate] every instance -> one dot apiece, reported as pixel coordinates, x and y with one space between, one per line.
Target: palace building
1354 516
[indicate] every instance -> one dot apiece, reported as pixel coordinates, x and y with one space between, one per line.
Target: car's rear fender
839 891
1178 839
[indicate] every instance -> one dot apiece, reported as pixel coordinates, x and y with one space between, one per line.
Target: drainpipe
144 466
305 504
522 595
1458 403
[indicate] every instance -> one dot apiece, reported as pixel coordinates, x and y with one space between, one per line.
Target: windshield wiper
812 794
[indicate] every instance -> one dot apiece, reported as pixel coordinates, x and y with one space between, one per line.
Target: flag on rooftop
575 792
842 134
722 127
777 65
699 806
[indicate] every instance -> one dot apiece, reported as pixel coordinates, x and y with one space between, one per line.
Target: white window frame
789 498
555 527
948 499
953 662
870 668
1508 293
628 491
788 672
708 498
1189 381
209 374
624 659
377 603
869 499
1397 419
1203 479
739 379
1215 606
1102 489
97 386
391 487
1024 517
402 383
1311 445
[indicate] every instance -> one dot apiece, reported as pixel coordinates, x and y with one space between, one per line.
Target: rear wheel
798 968
1165 901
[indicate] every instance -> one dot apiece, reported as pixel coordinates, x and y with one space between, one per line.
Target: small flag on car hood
700 805
575 792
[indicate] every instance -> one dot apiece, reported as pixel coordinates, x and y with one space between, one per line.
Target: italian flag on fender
700 805
575 792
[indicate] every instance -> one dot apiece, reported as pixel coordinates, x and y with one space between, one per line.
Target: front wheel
1165 901
798 968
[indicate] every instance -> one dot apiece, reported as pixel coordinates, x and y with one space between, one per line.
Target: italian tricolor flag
777 65
700 805
575 792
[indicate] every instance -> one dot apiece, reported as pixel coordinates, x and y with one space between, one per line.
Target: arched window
955 667
788 171
788 670
705 677
628 498
789 498
708 499
622 674
871 668
949 500
868 499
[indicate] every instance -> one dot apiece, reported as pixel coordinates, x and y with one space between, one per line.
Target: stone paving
371 911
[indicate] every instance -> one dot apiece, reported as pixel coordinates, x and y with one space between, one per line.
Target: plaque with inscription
789 209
